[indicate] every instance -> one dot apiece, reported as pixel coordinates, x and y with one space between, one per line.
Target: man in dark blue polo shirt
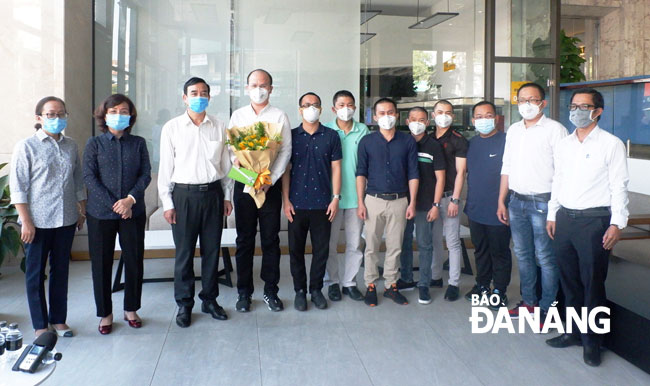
387 170
490 237
307 186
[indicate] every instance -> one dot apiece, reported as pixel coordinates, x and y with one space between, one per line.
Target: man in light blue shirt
343 270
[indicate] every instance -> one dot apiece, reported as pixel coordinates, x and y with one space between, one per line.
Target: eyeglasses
532 101
585 107
55 115
308 105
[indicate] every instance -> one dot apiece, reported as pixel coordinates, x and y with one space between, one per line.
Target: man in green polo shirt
343 270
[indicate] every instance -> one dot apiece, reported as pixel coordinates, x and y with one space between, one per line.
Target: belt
532 197
600 211
200 187
388 196
448 193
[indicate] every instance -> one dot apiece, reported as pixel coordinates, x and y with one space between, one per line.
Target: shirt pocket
213 151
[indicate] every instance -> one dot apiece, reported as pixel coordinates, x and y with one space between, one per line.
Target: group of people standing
562 198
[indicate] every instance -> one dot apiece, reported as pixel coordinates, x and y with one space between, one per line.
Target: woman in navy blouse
116 171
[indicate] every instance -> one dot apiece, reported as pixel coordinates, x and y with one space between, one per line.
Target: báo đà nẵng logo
483 320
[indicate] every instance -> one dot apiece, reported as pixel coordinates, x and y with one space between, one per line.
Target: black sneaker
503 300
371 296
477 290
424 297
318 299
243 303
405 285
452 293
334 292
393 293
273 301
353 292
436 283
300 302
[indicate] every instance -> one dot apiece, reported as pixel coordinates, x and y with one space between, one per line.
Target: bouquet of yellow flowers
256 147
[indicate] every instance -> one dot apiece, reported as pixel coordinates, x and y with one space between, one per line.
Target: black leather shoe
452 293
318 299
213 308
564 340
353 292
300 302
334 292
436 283
273 302
371 296
184 316
243 303
591 355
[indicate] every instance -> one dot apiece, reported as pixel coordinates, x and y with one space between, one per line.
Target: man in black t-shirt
455 149
431 166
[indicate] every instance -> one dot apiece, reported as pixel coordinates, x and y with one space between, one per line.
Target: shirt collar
252 110
593 135
42 135
320 129
540 122
109 136
355 126
187 120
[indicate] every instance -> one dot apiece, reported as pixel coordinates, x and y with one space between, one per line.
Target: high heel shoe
105 330
134 323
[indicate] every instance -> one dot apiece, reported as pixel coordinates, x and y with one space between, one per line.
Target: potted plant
10 243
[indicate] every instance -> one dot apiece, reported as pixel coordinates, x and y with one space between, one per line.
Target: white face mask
443 120
311 114
258 95
417 128
345 113
386 122
528 111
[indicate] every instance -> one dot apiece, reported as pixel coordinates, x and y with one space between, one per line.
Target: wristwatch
436 204
455 201
337 196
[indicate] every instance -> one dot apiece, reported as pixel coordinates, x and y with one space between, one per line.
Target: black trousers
492 254
199 215
101 246
583 263
317 224
246 217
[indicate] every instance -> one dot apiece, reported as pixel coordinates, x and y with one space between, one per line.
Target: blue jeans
424 238
528 227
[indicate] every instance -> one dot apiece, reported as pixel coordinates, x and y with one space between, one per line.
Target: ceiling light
433 20
365 36
367 15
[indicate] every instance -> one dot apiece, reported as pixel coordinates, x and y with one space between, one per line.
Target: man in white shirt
527 174
260 86
587 211
195 192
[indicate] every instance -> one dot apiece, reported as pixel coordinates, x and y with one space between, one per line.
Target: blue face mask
117 121
484 125
54 125
198 104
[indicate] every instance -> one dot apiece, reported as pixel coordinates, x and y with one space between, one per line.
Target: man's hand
27 232
362 213
410 211
127 215
502 214
80 221
289 211
123 205
611 237
236 163
170 216
265 188
332 208
227 208
433 214
550 229
452 209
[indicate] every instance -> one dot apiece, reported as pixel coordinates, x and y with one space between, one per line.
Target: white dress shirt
246 116
591 174
528 155
191 154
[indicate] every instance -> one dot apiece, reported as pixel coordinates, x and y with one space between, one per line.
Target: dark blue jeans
54 243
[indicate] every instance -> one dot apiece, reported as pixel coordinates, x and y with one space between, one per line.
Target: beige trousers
384 217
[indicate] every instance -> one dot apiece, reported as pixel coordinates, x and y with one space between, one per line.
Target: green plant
570 59
9 236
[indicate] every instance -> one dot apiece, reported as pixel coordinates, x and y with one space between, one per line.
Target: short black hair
539 88
192 81
41 104
112 101
261 70
343 93
444 102
383 100
483 103
596 97
309 93
420 109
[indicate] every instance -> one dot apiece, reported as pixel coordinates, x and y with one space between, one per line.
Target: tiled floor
347 344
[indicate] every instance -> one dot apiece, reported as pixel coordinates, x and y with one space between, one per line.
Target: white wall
638 170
